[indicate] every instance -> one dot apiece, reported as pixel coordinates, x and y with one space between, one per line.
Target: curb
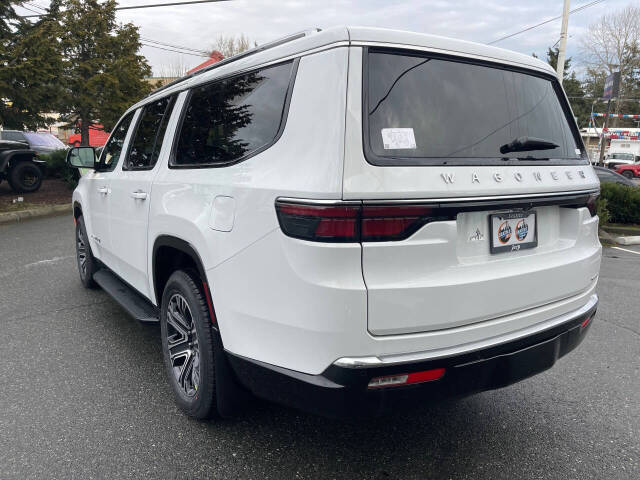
47 211
621 230
627 240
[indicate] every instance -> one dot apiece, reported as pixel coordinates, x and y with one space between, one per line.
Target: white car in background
616 159
347 220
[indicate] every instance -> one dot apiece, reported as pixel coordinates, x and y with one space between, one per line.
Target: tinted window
227 120
112 150
420 107
14 136
147 139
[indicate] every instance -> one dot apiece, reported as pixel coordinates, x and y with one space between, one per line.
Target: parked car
614 160
340 221
629 171
40 142
606 175
20 167
97 137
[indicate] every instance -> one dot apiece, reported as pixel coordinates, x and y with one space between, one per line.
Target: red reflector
209 304
585 322
426 376
407 378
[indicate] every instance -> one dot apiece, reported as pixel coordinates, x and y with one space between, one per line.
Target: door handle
103 190
139 194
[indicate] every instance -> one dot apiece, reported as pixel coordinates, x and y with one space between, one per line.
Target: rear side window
113 148
436 110
147 139
229 120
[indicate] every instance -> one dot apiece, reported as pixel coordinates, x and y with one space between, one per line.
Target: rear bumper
341 391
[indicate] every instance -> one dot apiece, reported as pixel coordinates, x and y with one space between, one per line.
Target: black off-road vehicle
20 166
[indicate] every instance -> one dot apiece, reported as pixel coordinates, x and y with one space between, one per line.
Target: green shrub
603 211
621 203
57 168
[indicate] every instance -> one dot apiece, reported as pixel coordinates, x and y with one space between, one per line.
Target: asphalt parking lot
84 396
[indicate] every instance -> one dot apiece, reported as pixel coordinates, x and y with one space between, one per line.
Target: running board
135 304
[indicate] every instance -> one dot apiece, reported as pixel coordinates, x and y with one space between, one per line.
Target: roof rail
246 53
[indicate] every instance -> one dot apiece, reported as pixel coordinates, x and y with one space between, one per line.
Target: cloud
197 25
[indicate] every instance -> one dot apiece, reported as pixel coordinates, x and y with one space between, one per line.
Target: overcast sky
197 26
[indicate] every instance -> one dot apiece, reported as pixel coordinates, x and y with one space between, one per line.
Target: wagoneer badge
449 177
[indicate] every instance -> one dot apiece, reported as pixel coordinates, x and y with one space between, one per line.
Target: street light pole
563 41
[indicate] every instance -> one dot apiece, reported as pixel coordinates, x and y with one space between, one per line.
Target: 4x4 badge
477 235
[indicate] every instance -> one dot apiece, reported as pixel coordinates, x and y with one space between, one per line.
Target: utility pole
604 130
611 90
563 41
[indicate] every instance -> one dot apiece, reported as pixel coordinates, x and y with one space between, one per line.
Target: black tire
87 264
628 174
25 177
188 345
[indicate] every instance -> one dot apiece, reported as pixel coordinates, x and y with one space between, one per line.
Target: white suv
346 220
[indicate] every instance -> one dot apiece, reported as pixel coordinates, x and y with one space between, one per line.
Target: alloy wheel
81 249
182 342
29 179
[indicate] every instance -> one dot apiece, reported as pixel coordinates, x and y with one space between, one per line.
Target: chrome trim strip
453 53
314 201
439 200
398 359
487 198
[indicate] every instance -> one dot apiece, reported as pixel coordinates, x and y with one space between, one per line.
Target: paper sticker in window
398 138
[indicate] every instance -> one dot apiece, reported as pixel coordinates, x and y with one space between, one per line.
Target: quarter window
231 119
147 139
112 150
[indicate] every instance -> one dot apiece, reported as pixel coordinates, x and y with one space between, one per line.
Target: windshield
43 139
422 107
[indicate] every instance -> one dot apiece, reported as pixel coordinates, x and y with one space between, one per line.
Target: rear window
13 136
43 139
435 110
229 120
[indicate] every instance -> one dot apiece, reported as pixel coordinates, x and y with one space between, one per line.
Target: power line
172 50
35 5
151 5
30 9
171 45
587 5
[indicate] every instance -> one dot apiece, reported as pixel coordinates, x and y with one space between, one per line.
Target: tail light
319 223
592 204
354 222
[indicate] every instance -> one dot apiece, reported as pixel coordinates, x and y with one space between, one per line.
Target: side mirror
81 157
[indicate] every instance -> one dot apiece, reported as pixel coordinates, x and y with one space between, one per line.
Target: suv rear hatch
490 160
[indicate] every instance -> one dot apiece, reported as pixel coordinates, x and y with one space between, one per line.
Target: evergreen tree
573 88
30 66
103 74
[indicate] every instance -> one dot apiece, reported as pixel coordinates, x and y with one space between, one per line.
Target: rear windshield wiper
526 144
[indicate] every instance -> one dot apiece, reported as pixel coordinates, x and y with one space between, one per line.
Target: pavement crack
620 326
62 309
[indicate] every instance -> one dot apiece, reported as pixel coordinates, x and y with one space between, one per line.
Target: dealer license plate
513 231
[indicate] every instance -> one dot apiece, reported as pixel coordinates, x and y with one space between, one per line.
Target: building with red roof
215 57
